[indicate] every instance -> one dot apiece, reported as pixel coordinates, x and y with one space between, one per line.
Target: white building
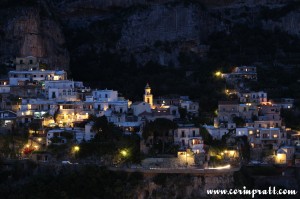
4 89
77 135
15 77
61 90
266 136
191 107
140 107
252 97
216 132
105 95
188 136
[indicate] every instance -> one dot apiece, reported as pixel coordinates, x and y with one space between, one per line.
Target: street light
124 153
76 148
75 151
218 74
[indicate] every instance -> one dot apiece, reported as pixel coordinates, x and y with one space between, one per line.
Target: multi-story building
252 97
242 73
34 77
61 90
261 137
228 110
190 106
188 136
27 63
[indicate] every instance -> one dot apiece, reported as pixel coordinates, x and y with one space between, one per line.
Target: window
21 61
182 134
64 92
194 134
105 95
30 61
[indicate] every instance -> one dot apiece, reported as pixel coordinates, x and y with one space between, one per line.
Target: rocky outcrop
182 186
29 31
140 30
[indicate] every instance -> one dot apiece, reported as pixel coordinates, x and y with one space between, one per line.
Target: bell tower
148 97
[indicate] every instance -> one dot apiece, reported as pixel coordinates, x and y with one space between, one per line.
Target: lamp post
125 154
76 149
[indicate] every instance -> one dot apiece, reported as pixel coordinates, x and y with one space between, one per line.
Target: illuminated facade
18 77
188 136
148 97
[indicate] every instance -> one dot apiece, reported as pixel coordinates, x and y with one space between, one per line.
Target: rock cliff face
182 186
143 30
29 31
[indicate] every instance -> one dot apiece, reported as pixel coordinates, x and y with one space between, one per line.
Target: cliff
30 30
182 185
143 31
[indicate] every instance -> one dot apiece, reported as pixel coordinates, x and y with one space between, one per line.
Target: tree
104 129
207 138
238 121
101 127
245 147
35 126
160 127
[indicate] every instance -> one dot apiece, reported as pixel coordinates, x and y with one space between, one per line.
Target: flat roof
37 71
